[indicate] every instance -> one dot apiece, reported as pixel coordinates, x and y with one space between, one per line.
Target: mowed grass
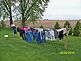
16 49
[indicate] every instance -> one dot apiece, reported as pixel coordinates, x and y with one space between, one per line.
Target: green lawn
16 49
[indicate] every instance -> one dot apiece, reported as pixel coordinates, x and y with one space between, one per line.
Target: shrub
77 29
71 31
57 26
2 24
41 26
67 25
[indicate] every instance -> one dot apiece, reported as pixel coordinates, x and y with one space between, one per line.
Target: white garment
39 29
64 30
52 35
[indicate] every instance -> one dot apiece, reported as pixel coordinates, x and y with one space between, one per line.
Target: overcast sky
63 9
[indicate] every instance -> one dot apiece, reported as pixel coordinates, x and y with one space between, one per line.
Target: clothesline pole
66 38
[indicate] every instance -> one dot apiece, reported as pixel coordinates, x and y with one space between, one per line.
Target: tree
70 31
67 24
32 10
3 12
6 6
3 22
77 29
57 26
41 26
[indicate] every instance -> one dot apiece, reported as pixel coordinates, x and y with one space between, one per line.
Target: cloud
63 8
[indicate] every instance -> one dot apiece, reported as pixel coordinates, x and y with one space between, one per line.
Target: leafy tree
0 26
67 24
57 26
3 22
6 8
32 10
77 29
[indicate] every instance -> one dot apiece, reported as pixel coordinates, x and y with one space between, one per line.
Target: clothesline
39 34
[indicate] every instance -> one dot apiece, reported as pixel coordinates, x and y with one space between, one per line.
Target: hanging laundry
26 35
34 34
39 29
64 30
22 32
61 32
33 31
61 35
48 35
18 29
38 37
25 28
14 29
56 33
29 36
43 39
52 35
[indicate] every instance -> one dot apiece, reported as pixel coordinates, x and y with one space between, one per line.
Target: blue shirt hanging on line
38 37
29 36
